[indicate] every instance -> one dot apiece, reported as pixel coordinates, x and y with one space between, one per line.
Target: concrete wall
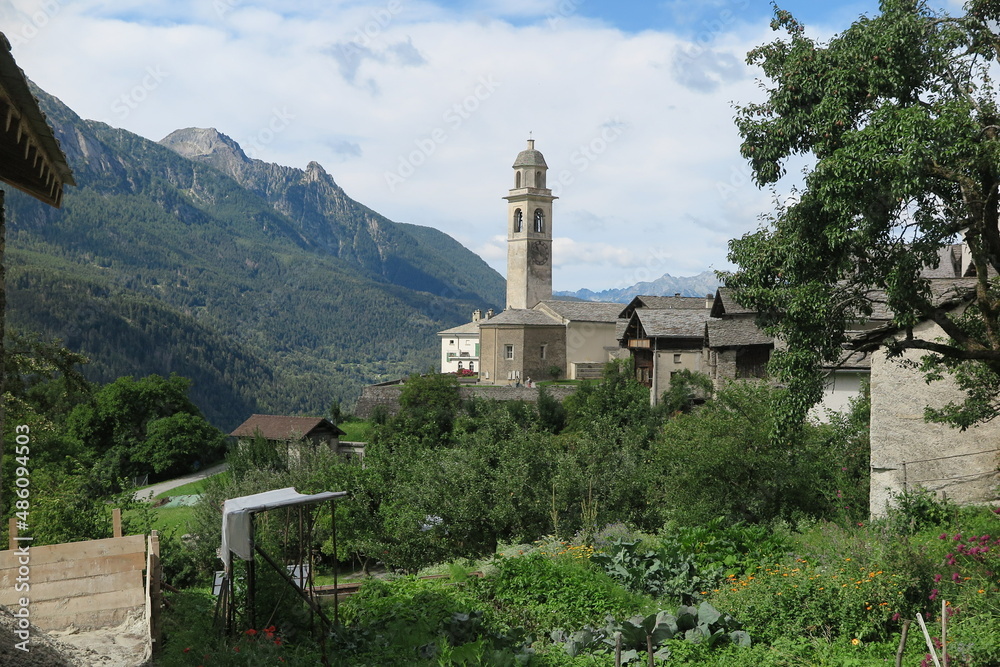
841 387
908 452
588 342
388 395
527 362
671 361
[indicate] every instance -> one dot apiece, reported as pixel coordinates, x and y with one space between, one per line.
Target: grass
189 489
173 518
356 431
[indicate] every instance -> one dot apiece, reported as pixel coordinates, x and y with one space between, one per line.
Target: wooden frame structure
239 537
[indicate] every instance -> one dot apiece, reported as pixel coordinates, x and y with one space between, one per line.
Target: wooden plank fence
87 585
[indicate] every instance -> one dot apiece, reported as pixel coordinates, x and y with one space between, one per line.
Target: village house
287 433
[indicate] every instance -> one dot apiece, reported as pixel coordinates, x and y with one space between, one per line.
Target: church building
535 337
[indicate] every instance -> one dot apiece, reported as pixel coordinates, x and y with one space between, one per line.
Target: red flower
251 632
187 650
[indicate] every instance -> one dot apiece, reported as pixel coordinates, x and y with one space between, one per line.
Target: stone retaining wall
387 395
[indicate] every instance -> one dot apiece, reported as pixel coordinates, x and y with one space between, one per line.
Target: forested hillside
266 285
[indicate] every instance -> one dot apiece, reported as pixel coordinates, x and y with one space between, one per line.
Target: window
518 220
472 367
451 342
460 365
543 351
539 220
539 179
508 352
677 358
517 179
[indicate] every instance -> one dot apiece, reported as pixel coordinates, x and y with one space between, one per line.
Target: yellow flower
855 641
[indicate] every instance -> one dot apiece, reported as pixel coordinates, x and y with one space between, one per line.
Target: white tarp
236 516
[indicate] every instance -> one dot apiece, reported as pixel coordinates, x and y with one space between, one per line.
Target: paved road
151 492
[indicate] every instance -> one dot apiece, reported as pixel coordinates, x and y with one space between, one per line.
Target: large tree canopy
900 116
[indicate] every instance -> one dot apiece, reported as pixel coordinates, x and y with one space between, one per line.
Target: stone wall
907 452
388 395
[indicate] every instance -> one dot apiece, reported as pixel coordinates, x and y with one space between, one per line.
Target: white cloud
423 121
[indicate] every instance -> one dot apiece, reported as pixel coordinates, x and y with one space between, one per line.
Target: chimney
709 300
531 144
677 293
489 314
477 315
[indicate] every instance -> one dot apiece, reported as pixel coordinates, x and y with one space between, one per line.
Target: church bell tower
529 232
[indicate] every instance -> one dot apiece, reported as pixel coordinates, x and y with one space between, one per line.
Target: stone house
663 342
286 433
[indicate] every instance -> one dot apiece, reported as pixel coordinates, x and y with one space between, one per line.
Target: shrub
540 593
910 512
801 598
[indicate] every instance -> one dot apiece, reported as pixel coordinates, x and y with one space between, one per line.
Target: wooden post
12 528
336 563
944 633
153 574
3 332
252 577
116 519
902 643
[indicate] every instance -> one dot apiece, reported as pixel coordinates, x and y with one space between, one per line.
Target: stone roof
946 293
949 263
673 323
661 302
726 304
30 157
469 328
583 311
280 427
736 332
530 157
676 301
520 316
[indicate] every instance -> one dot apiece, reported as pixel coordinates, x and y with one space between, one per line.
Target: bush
721 459
801 598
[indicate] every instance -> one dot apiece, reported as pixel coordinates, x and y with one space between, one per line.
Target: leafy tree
173 443
900 114
720 460
551 412
123 427
428 405
257 453
686 387
618 400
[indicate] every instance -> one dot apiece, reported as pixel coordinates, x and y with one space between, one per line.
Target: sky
417 108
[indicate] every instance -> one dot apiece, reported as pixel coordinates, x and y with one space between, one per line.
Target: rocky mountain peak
315 172
202 143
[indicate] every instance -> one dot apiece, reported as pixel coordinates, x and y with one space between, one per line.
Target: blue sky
417 108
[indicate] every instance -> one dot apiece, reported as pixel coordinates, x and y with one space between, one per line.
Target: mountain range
701 284
266 285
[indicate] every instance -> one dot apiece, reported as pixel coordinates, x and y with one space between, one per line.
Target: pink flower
937 578
933 595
